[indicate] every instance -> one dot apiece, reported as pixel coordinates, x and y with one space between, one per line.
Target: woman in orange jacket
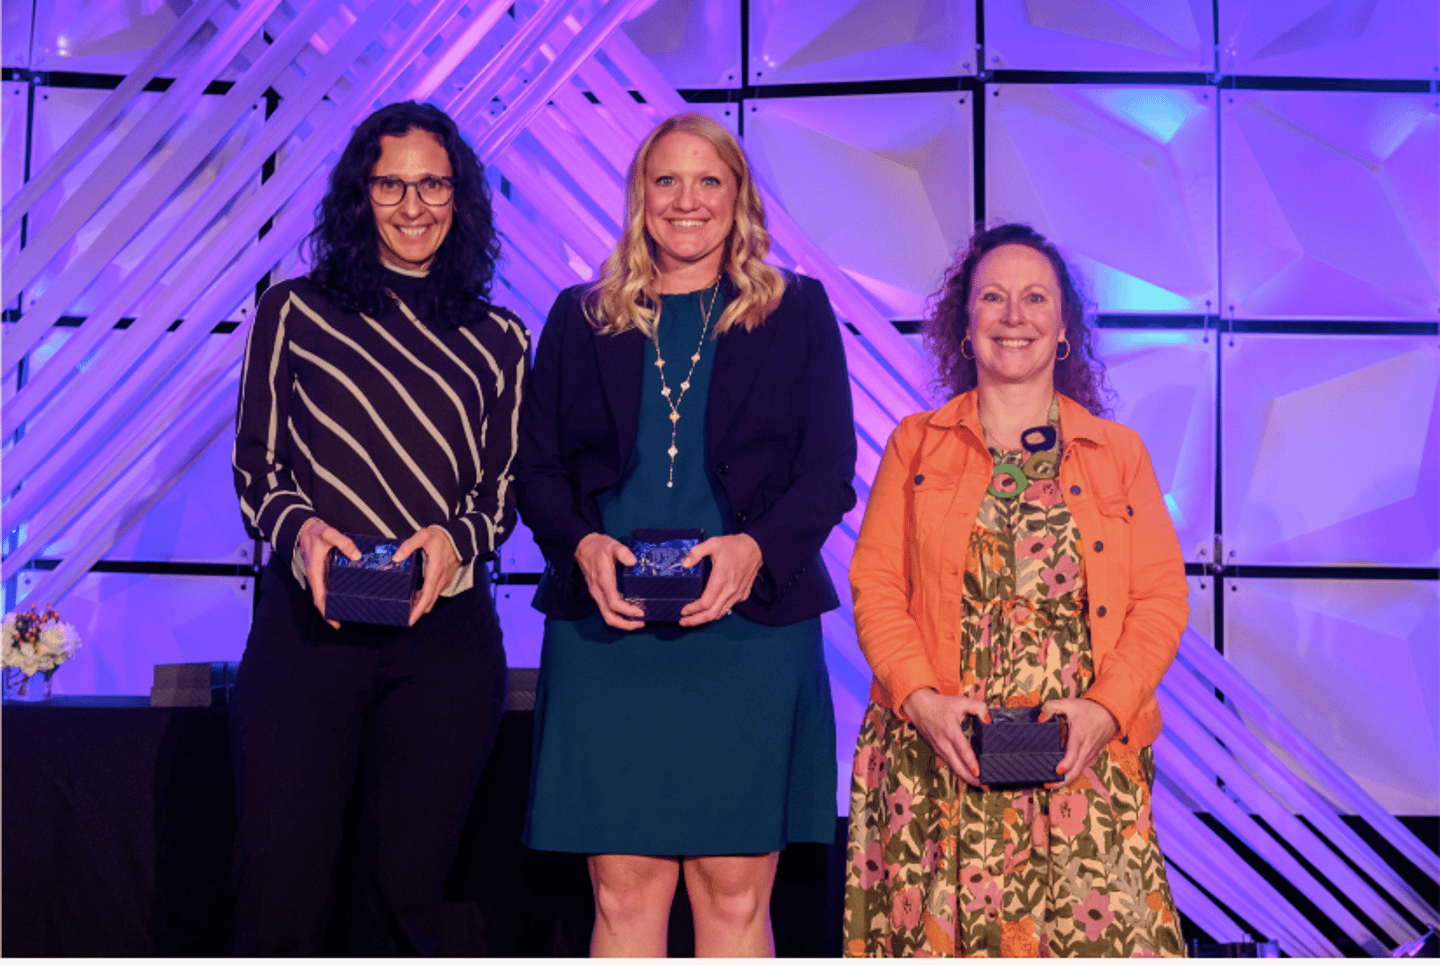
1016 552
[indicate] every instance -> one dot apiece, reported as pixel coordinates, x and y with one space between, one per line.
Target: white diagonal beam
1224 874
69 415
137 441
132 149
1182 728
504 65
1220 674
193 429
88 134
160 188
555 74
1182 687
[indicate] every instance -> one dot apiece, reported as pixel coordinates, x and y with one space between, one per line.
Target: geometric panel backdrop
1355 666
519 554
727 114
59 112
523 624
1331 449
881 182
15 33
1123 177
12 148
1202 606
194 522
803 41
1157 35
168 619
96 36
693 43
1329 204
1330 38
1164 386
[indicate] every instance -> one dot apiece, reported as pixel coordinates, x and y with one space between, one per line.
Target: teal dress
670 741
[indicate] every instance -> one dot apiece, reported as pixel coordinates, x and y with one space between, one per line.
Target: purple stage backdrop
1256 215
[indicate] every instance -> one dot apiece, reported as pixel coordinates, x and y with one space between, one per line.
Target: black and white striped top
381 426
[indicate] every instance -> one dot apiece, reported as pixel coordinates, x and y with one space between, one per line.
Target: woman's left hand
1091 728
734 561
441 565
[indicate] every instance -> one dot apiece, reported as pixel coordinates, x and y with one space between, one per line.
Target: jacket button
1129 510
1099 611
1099 546
1074 490
740 518
723 469
919 479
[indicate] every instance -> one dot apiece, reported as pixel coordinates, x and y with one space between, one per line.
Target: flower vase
29 688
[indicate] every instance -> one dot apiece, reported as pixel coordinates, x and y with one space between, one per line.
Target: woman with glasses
379 397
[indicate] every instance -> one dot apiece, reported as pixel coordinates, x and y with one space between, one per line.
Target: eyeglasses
389 192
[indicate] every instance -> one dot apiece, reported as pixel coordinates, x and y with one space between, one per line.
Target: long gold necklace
684 386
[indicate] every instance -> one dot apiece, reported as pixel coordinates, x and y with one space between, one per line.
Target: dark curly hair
345 245
1081 375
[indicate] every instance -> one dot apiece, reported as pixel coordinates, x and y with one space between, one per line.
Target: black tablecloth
87 783
118 818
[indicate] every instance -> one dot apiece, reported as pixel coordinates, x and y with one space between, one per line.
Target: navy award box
657 583
374 588
1017 749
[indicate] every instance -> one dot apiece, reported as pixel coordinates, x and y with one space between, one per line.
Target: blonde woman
695 386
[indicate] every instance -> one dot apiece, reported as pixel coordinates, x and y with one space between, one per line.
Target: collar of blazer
739 357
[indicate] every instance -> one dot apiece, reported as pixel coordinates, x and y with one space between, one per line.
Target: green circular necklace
1042 445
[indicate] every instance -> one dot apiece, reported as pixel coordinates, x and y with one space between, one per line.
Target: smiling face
1015 318
412 231
689 205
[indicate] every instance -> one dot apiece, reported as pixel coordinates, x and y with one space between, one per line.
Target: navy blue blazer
780 440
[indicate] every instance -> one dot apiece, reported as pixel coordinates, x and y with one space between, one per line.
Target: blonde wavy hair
626 294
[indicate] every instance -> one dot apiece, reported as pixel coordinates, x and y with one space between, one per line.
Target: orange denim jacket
909 563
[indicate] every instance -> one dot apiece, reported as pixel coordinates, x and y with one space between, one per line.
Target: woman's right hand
314 542
597 555
939 720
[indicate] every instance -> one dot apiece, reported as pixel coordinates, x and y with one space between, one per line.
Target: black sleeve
543 485
488 515
794 528
272 504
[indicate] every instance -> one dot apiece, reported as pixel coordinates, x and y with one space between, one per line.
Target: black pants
410 711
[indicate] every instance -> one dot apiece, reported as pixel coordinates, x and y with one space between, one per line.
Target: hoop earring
971 356
1065 342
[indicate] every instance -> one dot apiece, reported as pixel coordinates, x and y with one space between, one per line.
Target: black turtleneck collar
406 285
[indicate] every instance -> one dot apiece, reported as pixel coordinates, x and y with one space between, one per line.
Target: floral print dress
936 867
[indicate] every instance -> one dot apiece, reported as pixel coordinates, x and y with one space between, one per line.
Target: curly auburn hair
345 245
626 295
1080 375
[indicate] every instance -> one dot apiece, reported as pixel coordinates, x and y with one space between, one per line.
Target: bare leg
633 893
730 896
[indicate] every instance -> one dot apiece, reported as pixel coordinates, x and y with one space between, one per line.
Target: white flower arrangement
37 642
